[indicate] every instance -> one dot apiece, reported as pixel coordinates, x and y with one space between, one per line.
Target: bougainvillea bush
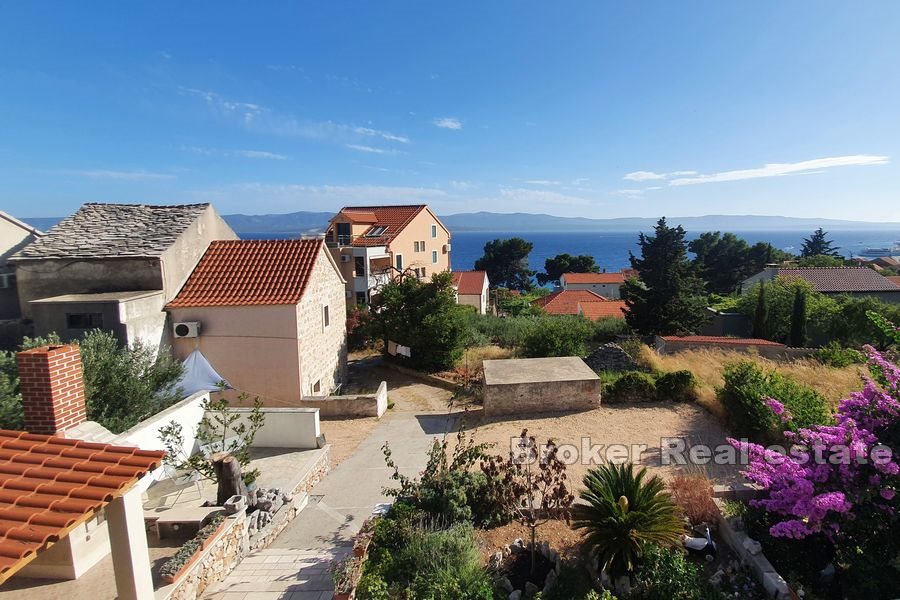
839 482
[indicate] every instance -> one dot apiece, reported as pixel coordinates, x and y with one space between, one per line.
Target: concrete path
295 566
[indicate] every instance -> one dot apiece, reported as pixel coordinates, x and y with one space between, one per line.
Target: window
423 272
7 281
399 260
359 265
326 319
434 256
360 298
317 387
422 245
376 231
416 247
434 231
84 320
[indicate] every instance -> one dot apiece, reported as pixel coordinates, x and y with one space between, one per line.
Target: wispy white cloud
260 154
542 182
286 197
643 176
629 193
259 119
364 148
138 175
806 167
527 197
461 186
447 123
242 153
580 180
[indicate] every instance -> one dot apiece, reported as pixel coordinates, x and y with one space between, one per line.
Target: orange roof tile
595 277
250 272
394 218
614 309
469 283
714 339
49 485
565 302
894 278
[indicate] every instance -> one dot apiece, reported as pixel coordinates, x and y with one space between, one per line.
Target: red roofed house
605 284
610 309
269 315
566 302
472 289
372 243
853 281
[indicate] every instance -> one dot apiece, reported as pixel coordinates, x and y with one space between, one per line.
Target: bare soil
345 435
558 534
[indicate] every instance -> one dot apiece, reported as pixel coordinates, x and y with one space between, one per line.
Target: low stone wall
779 352
429 379
359 405
215 562
551 396
750 553
611 357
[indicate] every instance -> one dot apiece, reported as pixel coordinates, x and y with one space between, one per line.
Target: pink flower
887 493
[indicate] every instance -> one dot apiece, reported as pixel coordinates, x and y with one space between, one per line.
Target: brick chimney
52 388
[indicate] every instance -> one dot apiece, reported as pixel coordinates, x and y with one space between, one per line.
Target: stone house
472 289
605 284
852 281
14 235
371 244
113 267
269 315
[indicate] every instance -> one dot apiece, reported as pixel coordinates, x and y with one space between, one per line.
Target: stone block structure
536 385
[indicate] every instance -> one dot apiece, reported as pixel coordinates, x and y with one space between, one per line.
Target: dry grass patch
707 365
474 357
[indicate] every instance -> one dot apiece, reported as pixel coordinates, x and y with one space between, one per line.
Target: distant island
306 222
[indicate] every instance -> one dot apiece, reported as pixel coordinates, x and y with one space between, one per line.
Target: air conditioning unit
186 329
345 258
446 248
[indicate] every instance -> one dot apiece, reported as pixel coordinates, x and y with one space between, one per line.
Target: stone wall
551 396
361 405
776 352
323 349
611 357
215 562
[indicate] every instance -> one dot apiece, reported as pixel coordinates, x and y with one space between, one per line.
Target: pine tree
798 320
506 263
667 298
761 316
818 245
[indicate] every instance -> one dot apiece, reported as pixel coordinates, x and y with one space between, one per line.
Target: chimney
52 388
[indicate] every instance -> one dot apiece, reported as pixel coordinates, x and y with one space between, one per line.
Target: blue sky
600 109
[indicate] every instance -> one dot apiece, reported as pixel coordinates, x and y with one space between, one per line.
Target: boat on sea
877 251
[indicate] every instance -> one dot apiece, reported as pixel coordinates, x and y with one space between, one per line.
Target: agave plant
623 511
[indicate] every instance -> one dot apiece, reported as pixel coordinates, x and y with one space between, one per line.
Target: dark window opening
84 320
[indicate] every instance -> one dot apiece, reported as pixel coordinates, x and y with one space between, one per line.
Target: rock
504 584
286 498
550 581
775 586
496 560
276 504
752 546
264 504
515 595
611 357
507 550
235 504
716 579
518 544
531 590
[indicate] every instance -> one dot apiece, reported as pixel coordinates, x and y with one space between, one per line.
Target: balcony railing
334 241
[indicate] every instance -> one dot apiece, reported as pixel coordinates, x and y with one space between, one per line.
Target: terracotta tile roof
614 309
565 302
250 272
114 230
49 485
713 339
394 218
469 283
895 279
595 277
840 279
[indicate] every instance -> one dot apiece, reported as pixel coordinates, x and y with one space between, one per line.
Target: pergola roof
49 485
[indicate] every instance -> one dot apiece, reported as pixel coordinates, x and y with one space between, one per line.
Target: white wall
285 427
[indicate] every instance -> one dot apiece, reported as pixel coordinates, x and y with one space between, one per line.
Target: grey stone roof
114 230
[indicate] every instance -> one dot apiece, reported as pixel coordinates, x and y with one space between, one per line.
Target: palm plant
622 513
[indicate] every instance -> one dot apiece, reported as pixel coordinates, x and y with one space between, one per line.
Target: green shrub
558 336
677 386
745 391
666 574
834 355
609 330
632 386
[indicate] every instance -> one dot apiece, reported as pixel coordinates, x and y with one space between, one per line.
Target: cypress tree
798 320
761 316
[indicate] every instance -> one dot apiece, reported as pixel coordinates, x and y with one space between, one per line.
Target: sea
611 249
